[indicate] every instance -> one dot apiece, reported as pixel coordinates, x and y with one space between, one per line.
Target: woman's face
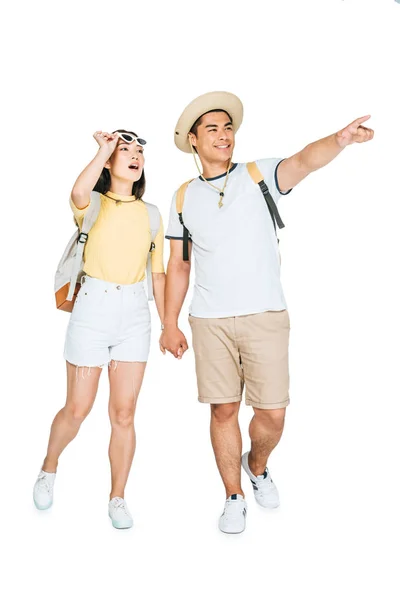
126 162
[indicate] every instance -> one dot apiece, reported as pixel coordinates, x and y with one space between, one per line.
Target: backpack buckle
83 237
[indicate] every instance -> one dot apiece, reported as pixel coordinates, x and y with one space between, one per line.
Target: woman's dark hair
104 183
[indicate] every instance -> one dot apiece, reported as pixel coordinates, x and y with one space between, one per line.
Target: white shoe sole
269 506
121 524
42 507
245 466
232 532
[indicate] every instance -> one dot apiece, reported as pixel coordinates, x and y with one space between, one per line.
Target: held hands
106 141
355 132
173 340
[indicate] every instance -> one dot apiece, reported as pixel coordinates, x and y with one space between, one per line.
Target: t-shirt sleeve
79 213
175 228
269 168
157 257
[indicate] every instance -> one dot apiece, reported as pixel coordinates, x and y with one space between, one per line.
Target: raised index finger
362 119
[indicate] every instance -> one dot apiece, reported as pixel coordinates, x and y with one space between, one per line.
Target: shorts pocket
90 305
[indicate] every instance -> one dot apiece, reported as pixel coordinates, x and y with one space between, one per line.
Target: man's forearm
320 153
294 169
159 293
176 288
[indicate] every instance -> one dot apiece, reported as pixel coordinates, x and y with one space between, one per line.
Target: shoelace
44 483
264 484
119 504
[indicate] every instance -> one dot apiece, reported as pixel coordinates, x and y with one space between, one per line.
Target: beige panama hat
211 101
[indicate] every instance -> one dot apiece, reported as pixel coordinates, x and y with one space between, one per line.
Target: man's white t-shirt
235 248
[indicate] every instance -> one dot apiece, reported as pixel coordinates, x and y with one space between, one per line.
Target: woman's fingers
103 138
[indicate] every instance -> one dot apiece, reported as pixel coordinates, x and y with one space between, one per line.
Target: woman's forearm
88 178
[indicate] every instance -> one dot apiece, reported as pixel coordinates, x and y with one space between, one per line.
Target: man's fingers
176 348
362 119
174 351
352 127
364 134
370 133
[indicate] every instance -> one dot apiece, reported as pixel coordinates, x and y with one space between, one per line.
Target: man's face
215 138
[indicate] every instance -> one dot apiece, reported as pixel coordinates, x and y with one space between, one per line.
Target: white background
303 70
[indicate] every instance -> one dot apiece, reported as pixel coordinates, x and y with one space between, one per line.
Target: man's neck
213 169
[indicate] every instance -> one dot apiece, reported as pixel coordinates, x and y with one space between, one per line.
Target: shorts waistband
93 282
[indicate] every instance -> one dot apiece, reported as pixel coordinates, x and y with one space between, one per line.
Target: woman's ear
107 165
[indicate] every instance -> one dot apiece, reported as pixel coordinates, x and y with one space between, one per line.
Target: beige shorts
250 351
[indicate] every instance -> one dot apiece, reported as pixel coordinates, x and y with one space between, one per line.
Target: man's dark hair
198 122
104 182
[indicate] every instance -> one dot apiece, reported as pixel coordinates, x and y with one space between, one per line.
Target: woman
110 321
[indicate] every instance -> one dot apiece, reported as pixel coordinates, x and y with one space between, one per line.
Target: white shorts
108 322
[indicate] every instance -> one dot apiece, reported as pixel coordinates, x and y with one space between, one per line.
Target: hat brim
201 105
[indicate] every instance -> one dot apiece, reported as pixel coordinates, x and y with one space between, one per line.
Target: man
238 315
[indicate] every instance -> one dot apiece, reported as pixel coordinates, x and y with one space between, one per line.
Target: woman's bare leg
82 384
125 383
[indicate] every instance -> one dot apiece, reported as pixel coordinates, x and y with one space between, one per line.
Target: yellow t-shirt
118 245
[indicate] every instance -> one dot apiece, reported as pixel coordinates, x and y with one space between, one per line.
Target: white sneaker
233 519
265 491
43 490
119 514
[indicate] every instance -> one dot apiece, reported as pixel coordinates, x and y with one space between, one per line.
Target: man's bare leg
226 440
265 431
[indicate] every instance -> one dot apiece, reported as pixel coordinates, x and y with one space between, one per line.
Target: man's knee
225 412
274 418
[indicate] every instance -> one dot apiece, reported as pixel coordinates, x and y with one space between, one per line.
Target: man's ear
193 139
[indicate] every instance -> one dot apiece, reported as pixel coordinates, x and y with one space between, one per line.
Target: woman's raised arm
86 181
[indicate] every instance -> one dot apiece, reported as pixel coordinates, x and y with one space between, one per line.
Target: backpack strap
257 177
155 222
88 221
180 199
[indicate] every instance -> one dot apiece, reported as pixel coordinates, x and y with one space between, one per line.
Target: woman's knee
122 417
77 412
225 412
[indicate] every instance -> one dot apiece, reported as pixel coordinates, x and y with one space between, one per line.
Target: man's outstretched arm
318 154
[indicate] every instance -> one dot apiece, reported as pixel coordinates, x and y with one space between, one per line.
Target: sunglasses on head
129 138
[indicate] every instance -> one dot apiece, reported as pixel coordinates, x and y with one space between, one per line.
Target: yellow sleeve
157 257
79 213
